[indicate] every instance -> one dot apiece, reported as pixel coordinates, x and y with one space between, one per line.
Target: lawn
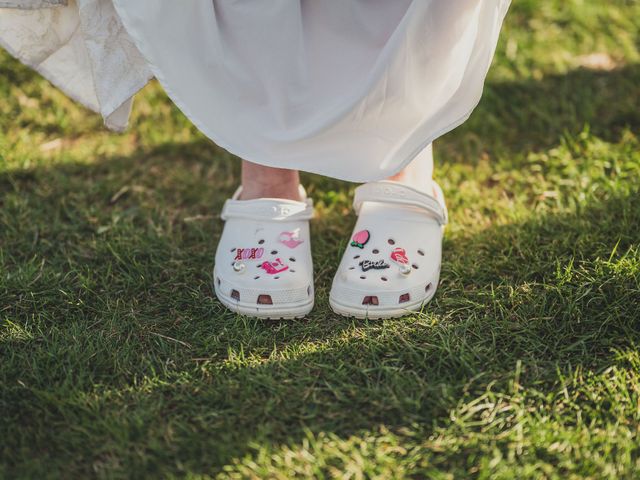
117 361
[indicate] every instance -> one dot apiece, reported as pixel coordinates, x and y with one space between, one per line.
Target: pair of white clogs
263 266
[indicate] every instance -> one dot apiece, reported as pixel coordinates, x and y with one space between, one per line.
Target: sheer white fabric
28 4
353 89
82 48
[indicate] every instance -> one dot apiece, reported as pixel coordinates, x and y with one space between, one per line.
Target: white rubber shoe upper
263 262
392 264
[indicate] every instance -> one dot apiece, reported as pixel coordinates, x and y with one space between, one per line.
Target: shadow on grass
121 354
533 115
116 350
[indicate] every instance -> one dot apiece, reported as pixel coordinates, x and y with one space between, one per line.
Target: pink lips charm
290 239
399 255
274 267
360 238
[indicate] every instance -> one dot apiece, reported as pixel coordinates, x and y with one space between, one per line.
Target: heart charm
291 239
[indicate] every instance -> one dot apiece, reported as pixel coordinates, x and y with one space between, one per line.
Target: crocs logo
389 191
274 267
375 264
291 239
249 253
282 210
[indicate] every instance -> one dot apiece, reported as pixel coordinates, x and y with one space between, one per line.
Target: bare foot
266 182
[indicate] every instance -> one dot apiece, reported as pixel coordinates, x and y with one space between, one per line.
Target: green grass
116 360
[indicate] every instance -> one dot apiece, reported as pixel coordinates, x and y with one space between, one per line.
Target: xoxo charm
249 253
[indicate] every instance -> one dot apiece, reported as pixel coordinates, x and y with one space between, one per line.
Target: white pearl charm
238 267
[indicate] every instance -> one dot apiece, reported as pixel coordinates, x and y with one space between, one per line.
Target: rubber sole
266 312
375 312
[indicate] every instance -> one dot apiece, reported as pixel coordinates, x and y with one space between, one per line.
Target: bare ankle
266 182
419 172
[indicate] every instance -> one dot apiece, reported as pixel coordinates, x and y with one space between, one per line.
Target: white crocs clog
263 264
392 265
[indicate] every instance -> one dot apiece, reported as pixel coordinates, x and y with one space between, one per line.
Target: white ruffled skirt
353 89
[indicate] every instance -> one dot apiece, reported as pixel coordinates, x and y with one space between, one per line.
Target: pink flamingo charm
274 267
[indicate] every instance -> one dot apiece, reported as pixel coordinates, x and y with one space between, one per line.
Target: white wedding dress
353 89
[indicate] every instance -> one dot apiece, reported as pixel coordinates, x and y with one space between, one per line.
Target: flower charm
375 264
291 239
274 267
399 256
360 238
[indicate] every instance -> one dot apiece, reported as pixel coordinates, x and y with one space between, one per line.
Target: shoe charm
375 264
291 239
249 253
238 267
399 256
274 267
360 238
